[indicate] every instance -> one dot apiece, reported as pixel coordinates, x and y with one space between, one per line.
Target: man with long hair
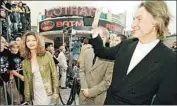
144 66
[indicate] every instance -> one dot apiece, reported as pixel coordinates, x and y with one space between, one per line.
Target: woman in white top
41 79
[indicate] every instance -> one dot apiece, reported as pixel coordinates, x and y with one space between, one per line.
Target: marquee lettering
72 10
57 12
83 11
70 23
67 11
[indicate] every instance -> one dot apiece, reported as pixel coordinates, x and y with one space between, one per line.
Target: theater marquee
58 24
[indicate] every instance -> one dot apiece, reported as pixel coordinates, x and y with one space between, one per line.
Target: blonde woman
40 75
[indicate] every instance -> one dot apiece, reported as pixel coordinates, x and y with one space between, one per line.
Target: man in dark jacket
144 66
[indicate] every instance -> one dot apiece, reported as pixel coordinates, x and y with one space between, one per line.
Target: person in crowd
96 76
49 47
19 8
4 72
1 2
84 47
62 66
111 40
15 65
70 60
8 17
117 39
67 50
27 16
144 66
64 44
21 17
76 46
18 40
27 9
107 44
13 7
40 75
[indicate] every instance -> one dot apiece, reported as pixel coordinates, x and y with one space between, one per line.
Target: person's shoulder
88 50
48 54
167 55
61 54
7 52
167 51
130 40
25 62
87 46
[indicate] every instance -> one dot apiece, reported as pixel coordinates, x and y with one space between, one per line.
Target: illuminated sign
47 25
77 23
60 23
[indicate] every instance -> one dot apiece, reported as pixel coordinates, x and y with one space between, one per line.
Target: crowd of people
15 18
112 70
21 49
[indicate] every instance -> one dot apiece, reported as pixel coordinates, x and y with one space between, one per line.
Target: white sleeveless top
40 95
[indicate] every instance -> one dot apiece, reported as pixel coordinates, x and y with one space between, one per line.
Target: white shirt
140 52
62 61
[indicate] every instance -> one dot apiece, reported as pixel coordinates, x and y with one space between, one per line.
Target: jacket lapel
29 68
97 63
41 62
146 66
130 50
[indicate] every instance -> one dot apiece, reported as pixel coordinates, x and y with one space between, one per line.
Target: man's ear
154 24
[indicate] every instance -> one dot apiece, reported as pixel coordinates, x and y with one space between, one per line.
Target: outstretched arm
104 52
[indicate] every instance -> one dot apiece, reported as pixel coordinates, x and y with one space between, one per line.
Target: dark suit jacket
155 75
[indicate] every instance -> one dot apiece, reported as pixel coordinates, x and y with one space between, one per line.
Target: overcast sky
114 6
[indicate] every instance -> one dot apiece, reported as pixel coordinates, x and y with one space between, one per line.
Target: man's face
143 23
